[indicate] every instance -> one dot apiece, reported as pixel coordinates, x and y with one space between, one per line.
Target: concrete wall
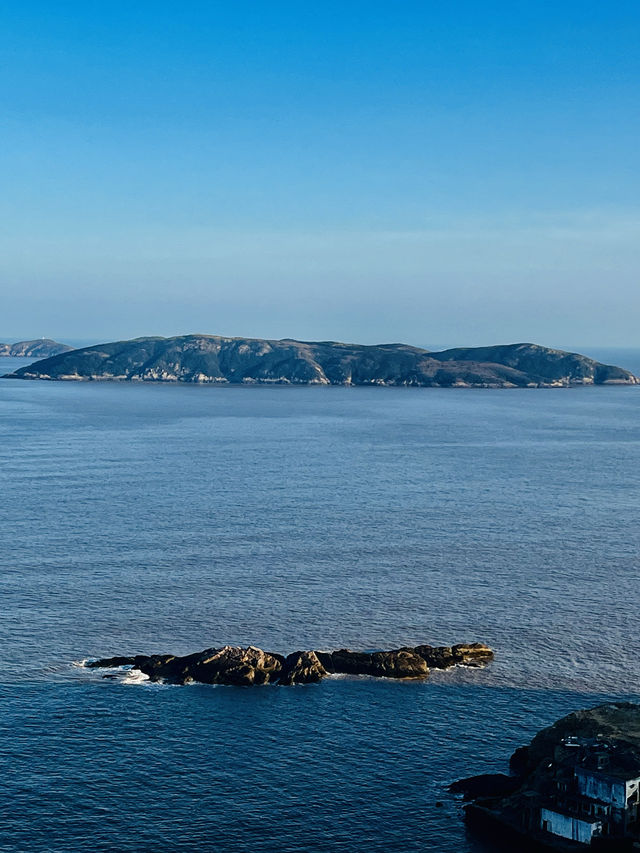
600 788
568 827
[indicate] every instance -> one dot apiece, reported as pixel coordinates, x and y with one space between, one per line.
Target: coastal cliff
40 348
219 360
576 785
234 665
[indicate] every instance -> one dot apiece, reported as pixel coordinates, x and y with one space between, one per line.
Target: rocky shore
248 666
575 786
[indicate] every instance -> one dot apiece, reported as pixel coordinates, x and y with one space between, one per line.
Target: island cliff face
217 360
41 348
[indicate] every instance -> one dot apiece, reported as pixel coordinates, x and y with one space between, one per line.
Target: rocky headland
234 665
576 785
41 348
223 361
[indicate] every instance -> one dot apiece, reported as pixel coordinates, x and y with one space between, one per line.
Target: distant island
577 785
40 348
222 361
245 667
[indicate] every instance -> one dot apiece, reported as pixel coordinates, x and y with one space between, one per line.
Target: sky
441 174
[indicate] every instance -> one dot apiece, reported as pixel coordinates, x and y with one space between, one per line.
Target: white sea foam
133 676
125 674
348 676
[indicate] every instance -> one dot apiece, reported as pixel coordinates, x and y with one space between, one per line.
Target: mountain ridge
215 359
38 348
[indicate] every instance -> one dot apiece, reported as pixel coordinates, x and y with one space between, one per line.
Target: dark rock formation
400 663
41 348
485 785
462 654
228 665
619 722
240 666
231 665
519 761
218 360
301 668
118 660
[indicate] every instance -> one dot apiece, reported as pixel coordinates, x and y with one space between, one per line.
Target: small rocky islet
240 666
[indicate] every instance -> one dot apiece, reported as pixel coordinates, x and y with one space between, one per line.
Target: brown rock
436 657
326 659
235 665
251 665
472 654
302 668
462 654
399 663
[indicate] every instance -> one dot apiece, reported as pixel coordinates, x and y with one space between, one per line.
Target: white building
567 826
608 788
605 802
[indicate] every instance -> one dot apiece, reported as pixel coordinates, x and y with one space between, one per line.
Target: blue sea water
154 518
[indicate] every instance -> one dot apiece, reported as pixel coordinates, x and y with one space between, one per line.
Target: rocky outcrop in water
400 663
462 654
218 360
251 665
41 348
301 668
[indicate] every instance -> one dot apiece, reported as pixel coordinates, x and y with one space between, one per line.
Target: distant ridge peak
38 348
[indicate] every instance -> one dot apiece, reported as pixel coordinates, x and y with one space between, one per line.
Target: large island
223 361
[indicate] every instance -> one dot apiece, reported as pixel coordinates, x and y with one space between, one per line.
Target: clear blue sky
438 173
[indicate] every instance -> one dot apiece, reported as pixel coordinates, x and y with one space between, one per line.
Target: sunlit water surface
153 518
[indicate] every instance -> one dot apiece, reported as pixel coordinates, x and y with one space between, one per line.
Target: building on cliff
594 792
576 786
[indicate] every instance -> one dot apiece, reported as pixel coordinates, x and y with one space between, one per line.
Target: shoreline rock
234 665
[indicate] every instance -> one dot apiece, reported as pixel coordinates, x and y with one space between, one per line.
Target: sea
152 518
